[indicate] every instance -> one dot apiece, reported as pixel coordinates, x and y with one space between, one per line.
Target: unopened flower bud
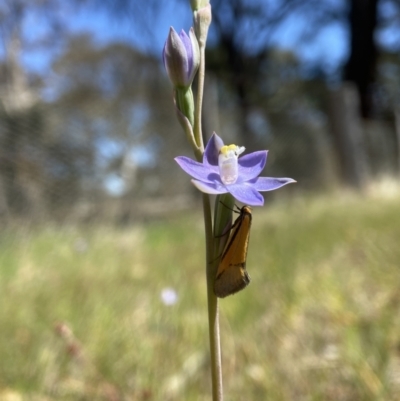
202 20
197 4
181 57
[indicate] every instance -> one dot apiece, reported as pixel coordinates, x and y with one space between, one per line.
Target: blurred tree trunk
245 75
361 65
352 102
346 127
14 194
16 104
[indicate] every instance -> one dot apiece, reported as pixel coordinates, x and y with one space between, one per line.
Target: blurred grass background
102 287
82 317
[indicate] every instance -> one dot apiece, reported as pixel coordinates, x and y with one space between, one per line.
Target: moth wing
231 274
231 282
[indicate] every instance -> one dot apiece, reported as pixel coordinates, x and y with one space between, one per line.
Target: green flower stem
211 243
185 102
185 124
199 100
213 313
224 205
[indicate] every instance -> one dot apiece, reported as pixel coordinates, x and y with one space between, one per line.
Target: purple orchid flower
223 171
181 56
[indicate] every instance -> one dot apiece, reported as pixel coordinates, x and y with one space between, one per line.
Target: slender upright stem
213 315
212 300
199 100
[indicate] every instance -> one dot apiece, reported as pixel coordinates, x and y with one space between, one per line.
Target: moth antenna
233 210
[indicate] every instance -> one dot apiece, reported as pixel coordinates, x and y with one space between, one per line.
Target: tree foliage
98 120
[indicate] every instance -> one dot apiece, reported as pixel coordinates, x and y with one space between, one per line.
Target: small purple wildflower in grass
181 57
222 171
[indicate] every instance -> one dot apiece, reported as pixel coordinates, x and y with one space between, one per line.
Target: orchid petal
247 187
187 43
210 188
246 194
194 58
210 156
251 165
269 183
197 170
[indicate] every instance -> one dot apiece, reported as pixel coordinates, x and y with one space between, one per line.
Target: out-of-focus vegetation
87 125
96 221
82 316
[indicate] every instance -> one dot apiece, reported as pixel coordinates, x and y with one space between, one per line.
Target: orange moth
231 273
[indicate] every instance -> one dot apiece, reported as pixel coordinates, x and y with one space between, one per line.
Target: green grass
320 320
